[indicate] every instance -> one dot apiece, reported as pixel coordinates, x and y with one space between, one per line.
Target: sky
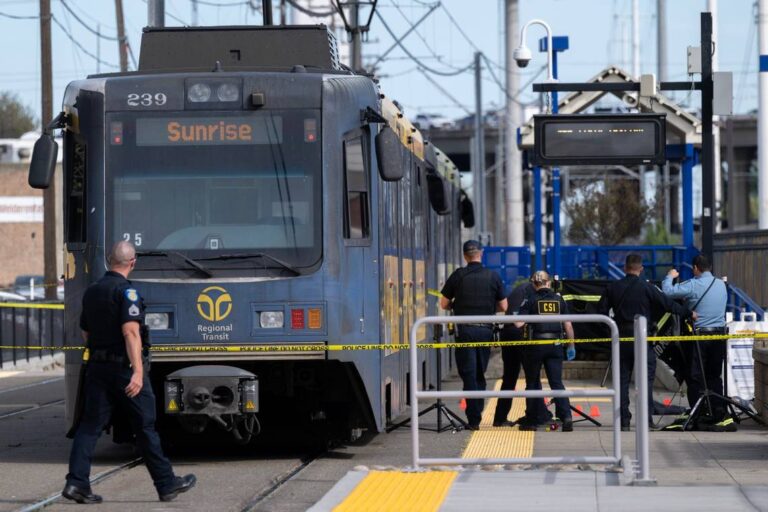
599 33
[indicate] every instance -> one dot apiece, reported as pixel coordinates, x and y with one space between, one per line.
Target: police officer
512 358
545 302
473 290
628 297
113 313
708 296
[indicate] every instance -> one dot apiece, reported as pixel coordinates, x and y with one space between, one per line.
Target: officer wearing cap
626 298
549 355
473 290
113 313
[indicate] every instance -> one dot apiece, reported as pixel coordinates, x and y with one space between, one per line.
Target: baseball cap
472 246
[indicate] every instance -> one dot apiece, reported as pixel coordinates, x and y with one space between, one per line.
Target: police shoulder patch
133 310
131 294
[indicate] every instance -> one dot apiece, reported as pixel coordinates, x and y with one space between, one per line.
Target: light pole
523 56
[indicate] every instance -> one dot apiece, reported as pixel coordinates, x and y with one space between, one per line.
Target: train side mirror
389 154
43 162
467 211
439 193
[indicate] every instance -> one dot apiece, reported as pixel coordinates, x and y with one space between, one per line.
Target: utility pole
513 162
156 13
708 212
266 7
479 174
762 116
98 48
194 13
46 114
121 40
636 39
661 62
712 8
357 42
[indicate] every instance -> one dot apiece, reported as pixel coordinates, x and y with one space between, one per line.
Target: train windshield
215 183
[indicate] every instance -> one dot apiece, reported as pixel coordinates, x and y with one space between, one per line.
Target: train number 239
146 99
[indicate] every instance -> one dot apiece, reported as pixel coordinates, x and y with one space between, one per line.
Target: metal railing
590 261
25 325
641 378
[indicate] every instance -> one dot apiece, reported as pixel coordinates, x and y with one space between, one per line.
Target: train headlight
199 93
271 319
228 92
158 321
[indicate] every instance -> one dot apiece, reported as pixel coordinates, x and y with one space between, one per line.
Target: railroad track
31 407
279 481
100 477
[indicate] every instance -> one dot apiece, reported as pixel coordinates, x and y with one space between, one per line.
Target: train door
405 224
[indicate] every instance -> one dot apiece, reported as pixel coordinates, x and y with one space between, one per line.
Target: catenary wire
310 12
416 60
86 25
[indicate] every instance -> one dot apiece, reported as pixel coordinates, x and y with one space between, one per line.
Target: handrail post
414 395
641 402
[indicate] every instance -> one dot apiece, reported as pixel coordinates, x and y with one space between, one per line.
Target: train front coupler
224 395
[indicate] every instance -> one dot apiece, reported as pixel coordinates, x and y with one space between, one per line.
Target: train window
356 216
75 192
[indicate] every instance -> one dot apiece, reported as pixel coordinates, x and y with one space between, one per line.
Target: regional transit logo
214 304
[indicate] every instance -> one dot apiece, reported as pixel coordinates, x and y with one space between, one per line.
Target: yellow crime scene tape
30 305
313 347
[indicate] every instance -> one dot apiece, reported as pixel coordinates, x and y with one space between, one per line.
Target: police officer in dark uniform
473 290
113 313
627 297
545 302
512 355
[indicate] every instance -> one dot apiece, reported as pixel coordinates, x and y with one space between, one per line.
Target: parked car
432 121
30 286
11 297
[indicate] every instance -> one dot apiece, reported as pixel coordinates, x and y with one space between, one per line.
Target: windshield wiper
176 258
262 255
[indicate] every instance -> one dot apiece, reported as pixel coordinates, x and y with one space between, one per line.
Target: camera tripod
705 400
455 423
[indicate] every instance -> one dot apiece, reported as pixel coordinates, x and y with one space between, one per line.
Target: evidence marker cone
580 408
594 411
667 402
463 404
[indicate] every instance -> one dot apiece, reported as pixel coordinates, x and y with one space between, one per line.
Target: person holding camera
630 296
707 296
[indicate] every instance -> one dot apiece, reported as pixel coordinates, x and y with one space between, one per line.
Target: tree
606 213
15 117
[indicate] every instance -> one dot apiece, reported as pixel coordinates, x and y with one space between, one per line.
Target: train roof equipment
238 48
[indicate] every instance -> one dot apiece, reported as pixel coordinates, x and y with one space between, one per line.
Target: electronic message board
600 139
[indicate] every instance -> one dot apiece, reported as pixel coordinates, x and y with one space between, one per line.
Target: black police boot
568 426
82 496
182 484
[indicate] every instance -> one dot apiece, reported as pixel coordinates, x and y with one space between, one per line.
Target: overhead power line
416 60
223 4
310 12
86 25
445 92
17 17
80 46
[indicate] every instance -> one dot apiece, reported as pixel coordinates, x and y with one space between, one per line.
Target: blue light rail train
275 198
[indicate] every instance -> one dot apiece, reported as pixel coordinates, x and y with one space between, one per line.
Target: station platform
698 471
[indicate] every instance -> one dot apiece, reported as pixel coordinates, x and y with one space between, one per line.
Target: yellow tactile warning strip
384 491
500 442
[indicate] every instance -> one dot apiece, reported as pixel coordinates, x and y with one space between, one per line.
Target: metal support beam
687 179
538 222
513 119
708 212
611 87
762 116
479 173
156 13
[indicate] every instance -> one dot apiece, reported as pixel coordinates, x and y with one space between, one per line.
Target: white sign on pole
21 209
739 361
